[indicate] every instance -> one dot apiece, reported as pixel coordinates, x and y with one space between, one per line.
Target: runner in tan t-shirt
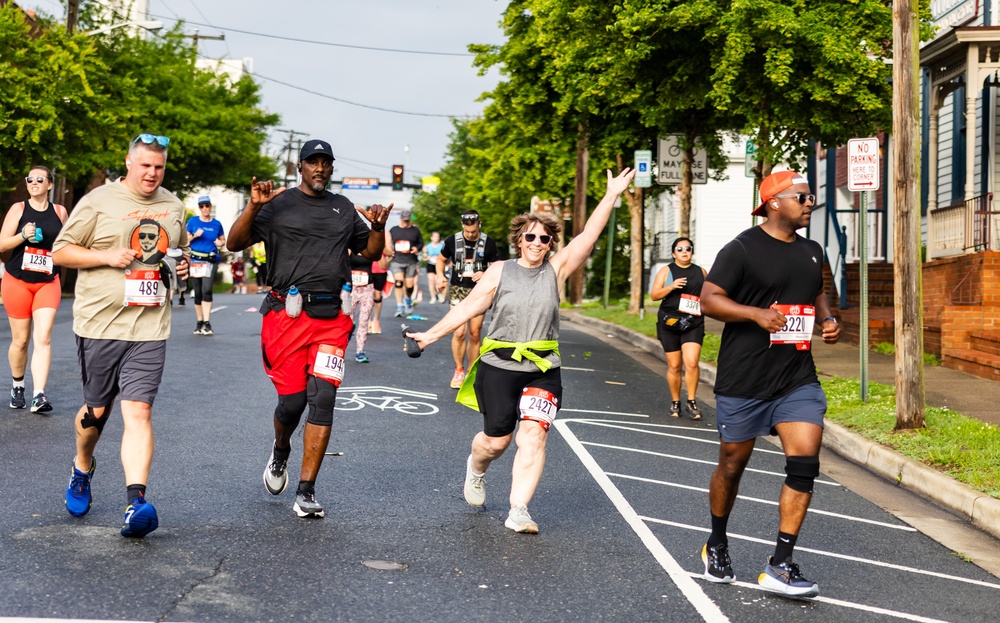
116 237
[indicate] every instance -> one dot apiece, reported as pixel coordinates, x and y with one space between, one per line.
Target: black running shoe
694 410
787 580
718 567
40 404
675 408
206 329
200 328
17 398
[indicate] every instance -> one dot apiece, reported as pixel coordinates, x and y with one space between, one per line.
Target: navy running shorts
741 419
110 368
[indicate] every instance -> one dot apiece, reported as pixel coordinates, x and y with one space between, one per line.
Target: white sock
19 383
39 391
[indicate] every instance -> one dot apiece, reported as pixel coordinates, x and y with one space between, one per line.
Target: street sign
643 168
670 159
750 160
359 183
862 164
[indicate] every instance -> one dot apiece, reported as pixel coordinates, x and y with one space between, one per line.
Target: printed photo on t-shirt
150 240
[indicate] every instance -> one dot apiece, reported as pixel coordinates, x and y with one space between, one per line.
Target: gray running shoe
275 475
475 486
787 580
519 520
306 505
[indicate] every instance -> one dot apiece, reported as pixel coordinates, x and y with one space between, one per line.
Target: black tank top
50 224
695 280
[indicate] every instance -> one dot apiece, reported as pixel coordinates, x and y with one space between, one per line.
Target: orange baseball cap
774 184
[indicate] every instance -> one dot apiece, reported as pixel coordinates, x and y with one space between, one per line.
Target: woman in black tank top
680 326
31 288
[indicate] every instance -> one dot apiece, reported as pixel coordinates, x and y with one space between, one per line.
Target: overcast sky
366 142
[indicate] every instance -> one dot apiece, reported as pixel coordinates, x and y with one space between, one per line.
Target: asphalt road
622 506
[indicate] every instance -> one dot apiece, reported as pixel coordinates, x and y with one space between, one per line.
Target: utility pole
906 216
195 37
579 208
292 149
72 15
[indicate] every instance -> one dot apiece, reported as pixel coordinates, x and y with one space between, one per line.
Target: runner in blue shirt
206 234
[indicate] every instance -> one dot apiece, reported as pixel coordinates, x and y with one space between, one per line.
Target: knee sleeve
92 421
290 408
410 290
399 283
378 296
321 395
801 472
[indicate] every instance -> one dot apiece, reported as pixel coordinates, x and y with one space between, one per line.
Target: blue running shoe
78 497
787 580
361 357
140 519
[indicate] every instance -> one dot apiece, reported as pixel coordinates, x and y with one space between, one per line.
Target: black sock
783 548
135 492
306 486
281 454
718 535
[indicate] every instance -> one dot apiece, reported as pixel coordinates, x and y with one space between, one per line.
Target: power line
327 43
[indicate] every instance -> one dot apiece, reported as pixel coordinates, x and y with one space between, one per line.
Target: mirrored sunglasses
149 139
39 180
683 249
542 238
470 220
801 197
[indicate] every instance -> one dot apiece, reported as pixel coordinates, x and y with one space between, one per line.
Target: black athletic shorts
498 392
671 342
113 367
378 280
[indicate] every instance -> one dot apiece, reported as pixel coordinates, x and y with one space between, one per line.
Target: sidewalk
943 387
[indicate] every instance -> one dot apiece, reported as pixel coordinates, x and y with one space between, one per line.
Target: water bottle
38 234
345 299
293 302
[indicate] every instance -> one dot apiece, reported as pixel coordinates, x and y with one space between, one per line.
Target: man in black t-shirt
403 245
767 286
307 232
470 252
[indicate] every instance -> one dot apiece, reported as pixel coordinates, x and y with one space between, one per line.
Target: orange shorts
292 346
21 298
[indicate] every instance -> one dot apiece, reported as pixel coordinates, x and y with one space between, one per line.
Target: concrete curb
981 509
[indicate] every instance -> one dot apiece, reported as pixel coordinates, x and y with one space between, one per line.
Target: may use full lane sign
862 164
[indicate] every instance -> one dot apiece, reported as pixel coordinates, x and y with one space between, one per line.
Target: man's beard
318 187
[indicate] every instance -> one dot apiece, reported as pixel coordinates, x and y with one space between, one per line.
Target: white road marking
577 369
799 548
382 388
708 610
600 413
219 308
690 460
846 604
626 426
817 511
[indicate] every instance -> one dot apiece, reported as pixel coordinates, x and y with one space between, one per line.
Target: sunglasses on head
542 238
40 180
470 220
149 139
683 249
801 197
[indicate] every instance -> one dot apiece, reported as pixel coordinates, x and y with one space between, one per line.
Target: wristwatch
830 318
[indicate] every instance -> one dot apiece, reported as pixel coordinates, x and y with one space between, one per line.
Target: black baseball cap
313 147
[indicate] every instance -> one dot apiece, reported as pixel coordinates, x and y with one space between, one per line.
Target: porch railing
966 227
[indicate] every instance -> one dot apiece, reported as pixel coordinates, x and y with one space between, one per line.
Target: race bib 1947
798 329
329 364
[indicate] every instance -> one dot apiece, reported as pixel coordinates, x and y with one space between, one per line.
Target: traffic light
397 177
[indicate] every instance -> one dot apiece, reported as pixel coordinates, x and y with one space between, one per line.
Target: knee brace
399 283
410 290
378 296
92 421
289 409
321 395
801 472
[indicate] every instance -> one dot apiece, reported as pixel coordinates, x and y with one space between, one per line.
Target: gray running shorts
110 368
409 270
741 419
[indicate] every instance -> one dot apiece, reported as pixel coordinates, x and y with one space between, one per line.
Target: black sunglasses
470 220
145 236
542 238
801 197
682 249
40 180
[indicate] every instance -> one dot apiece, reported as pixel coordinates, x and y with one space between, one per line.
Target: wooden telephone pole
72 15
906 216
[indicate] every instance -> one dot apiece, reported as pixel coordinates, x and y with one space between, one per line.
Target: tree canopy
73 102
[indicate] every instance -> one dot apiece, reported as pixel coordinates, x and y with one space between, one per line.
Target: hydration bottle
345 299
293 302
38 234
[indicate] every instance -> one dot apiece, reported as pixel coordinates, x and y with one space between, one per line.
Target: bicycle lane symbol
385 398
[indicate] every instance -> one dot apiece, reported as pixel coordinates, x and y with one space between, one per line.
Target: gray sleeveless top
525 308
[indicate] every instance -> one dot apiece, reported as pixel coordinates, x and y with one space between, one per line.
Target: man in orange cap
767 286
